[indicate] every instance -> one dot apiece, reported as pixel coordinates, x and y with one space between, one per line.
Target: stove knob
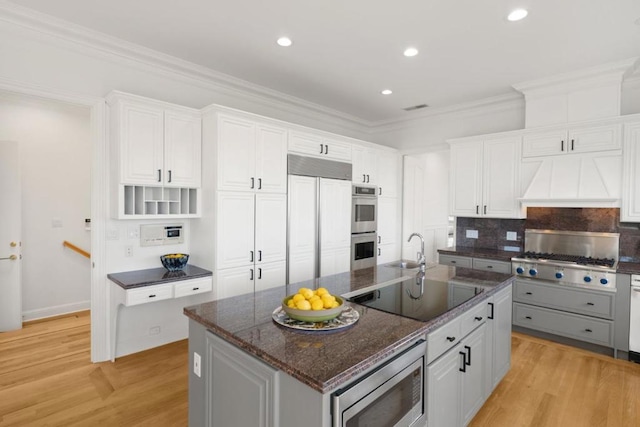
533 272
604 281
559 274
587 279
519 270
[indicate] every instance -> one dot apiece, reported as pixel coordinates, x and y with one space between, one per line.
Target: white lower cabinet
231 282
499 311
241 390
456 382
334 261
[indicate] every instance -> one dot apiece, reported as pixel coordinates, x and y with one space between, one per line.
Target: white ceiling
346 51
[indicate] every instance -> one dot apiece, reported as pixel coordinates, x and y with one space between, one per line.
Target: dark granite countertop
628 267
479 253
156 276
324 361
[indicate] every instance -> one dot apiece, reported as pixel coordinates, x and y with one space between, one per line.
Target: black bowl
174 262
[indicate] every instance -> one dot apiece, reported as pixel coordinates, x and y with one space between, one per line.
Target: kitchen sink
409 265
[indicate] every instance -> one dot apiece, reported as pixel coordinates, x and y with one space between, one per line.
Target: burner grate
578 259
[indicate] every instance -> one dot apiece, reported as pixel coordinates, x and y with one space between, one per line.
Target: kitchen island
239 345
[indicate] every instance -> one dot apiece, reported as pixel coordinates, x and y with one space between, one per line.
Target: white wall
56 176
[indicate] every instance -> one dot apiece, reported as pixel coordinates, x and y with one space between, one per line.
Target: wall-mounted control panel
158 235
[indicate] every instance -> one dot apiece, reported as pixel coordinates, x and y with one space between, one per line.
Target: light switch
472 234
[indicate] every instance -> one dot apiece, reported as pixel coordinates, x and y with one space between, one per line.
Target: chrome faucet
420 255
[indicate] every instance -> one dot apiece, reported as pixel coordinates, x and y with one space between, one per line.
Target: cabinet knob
478 318
451 339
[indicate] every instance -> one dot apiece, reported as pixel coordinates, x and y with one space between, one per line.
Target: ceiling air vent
415 107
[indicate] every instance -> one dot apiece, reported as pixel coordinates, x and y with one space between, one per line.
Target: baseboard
42 313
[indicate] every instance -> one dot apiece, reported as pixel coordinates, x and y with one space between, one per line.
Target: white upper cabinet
365 165
316 145
235 224
251 156
573 140
630 211
388 174
485 177
155 143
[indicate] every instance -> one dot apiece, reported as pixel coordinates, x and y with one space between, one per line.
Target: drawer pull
588 330
478 318
527 317
195 289
152 296
528 293
491 315
454 262
451 339
590 303
468 361
489 266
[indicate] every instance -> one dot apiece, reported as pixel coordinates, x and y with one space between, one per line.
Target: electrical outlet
197 363
133 232
512 235
154 330
128 251
472 234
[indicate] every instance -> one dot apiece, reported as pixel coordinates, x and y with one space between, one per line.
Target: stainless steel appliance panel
364 250
392 395
364 210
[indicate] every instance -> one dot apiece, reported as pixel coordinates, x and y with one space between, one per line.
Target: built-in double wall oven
364 224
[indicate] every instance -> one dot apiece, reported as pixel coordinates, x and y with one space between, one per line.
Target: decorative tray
347 318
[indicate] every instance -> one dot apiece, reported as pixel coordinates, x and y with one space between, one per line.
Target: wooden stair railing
75 248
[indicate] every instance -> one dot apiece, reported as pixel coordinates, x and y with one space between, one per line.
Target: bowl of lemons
312 305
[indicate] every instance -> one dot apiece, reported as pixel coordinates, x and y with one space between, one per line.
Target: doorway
54 139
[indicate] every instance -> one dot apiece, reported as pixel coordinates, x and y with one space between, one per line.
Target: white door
235 226
271 159
335 214
10 238
501 178
302 228
236 154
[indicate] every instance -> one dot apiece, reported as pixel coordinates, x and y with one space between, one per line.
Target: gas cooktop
573 259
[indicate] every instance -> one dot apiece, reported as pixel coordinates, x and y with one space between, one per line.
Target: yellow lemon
328 302
305 292
291 303
321 291
317 305
314 298
335 304
303 305
297 297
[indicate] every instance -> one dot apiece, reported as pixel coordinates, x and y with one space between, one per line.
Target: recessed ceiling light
386 92
410 51
517 15
284 41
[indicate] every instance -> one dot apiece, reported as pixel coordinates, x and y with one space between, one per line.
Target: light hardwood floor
46 378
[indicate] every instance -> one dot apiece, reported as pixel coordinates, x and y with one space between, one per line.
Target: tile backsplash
492 233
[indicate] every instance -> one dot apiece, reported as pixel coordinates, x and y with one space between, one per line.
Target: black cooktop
581 260
422 300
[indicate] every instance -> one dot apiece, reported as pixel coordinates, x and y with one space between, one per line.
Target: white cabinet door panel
365 165
630 211
443 389
271 159
544 143
306 143
595 138
270 275
388 220
141 143
335 217
235 229
182 149
466 179
236 154
388 174
271 228
501 183
388 253
337 150
231 282
302 228
474 379
334 261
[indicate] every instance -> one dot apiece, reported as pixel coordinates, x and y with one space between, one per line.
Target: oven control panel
579 275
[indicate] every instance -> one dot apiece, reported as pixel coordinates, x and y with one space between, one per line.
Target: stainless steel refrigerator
319 218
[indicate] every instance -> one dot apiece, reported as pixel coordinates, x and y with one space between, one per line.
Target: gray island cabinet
245 370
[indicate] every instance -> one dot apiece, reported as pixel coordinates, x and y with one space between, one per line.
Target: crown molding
610 73
482 106
117 49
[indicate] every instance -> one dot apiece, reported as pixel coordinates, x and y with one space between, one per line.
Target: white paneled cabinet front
317 145
388 229
251 156
630 211
485 178
156 144
388 174
365 165
236 225
583 139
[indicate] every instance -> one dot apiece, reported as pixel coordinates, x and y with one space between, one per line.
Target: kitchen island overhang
326 361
